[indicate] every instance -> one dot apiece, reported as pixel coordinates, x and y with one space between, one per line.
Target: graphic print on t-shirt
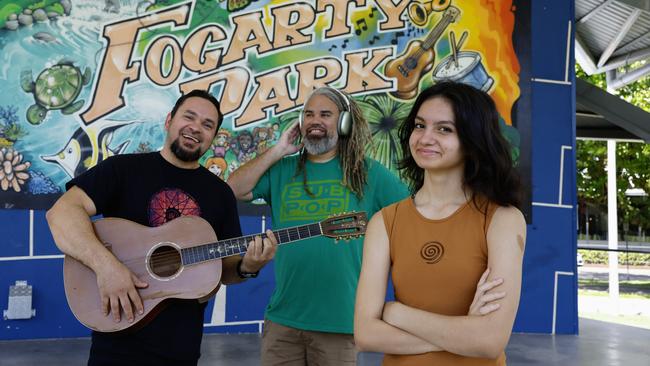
329 197
432 252
170 203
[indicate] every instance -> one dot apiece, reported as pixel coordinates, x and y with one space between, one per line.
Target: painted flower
384 115
13 172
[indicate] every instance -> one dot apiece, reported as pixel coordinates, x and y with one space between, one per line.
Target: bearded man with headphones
309 319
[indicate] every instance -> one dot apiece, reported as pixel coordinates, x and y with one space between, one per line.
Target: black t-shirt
147 189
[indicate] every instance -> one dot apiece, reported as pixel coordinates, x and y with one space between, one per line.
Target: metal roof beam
594 11
616 110
624 60
635 41
583 56
619 37
639 4
616 80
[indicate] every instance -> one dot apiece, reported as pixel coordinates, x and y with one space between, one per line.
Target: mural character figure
244 147
234 165
262 136
151 189
56 87
315 281
464 205
276 133
221 143
217 166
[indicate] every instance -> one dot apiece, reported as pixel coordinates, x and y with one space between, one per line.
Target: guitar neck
237 246
447 18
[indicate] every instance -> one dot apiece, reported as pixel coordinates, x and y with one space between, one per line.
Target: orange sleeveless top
435 267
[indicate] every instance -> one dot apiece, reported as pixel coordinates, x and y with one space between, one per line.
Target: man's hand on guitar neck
118 286
259 253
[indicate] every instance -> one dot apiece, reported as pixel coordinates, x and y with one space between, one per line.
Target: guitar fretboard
448 17
236 246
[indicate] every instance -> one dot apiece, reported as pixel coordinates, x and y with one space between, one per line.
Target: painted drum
470 71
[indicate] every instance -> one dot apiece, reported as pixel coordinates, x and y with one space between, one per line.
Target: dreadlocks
350 149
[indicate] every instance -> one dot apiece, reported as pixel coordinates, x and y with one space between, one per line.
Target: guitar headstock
345 225
452 13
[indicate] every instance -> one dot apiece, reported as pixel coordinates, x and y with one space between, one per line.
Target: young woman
462 221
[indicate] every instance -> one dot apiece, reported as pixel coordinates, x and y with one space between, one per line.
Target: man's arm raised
243 180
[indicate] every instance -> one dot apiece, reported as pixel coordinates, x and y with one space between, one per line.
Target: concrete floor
599 343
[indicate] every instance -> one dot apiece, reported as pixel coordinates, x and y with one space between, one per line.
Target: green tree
633 162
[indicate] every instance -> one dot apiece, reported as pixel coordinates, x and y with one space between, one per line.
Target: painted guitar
175 261
418 58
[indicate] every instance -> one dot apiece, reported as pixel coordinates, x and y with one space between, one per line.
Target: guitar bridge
402 70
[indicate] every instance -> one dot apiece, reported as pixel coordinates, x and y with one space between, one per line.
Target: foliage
8 7
637 93
384 115
9 128
602 257
632 171
56 8
6 10
632 163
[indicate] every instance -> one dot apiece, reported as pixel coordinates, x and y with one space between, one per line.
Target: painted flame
490 24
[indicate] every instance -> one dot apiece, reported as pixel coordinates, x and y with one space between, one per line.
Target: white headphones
344 125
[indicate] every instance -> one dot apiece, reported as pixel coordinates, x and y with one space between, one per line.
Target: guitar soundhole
411 63
165 261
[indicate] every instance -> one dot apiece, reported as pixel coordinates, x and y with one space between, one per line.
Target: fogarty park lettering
216 56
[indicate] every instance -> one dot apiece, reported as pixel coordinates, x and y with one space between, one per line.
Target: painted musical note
361 26
374 39
342 45
396 36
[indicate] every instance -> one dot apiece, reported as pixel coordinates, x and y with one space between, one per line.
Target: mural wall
87 79
84 79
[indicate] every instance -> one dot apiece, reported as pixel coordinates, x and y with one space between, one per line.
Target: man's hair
201 94
350 148
489 171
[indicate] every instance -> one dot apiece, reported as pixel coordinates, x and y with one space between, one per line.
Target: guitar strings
172 257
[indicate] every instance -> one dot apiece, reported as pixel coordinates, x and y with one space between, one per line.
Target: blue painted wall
549 264
550 274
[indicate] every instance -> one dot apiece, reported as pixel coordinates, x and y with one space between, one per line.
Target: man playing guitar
152 189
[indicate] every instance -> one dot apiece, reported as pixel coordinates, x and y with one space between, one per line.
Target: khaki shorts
294 347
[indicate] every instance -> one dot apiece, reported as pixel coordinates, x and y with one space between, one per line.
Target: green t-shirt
316 279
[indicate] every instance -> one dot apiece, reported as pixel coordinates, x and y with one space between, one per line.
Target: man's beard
183 154
320 145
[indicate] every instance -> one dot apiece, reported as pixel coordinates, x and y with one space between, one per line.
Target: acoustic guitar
418 58
180 259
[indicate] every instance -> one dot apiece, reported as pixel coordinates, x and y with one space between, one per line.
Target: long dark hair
489 171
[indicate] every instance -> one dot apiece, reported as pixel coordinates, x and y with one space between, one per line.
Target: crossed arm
396 328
